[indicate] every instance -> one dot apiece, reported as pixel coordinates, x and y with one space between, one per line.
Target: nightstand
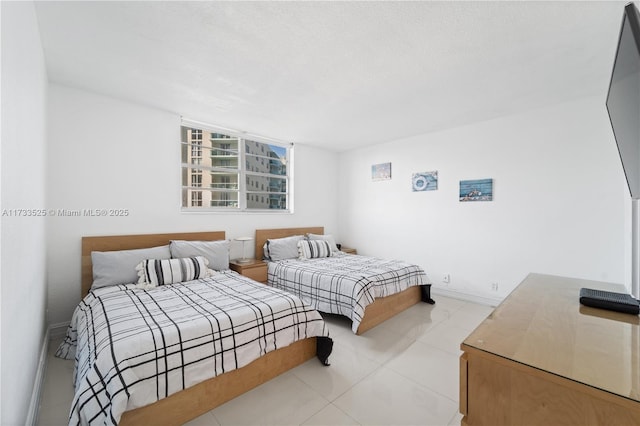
348 250
254 269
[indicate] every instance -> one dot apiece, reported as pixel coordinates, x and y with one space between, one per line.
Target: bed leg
426 294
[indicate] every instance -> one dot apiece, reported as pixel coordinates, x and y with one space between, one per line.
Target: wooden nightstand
254 269
348 250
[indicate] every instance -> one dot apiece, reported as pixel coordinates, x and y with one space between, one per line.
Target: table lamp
244 256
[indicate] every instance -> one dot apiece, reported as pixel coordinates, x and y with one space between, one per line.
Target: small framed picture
476 190
424 181
381 171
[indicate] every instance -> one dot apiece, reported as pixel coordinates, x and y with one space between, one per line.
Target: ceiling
338 75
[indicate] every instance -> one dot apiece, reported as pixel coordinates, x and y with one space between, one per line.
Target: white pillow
155 272
216 252
283 248
328 238
312 249
119 267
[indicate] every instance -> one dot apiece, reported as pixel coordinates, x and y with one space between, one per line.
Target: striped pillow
311 249
155 272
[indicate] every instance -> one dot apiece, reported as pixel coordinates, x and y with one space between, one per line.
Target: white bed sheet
133 347
344 284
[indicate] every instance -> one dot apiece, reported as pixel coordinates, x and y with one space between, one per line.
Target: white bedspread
344 284
133 347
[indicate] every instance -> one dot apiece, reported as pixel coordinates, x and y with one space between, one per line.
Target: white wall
23 294
107 153
560 201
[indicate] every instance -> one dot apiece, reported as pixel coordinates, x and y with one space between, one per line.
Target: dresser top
543 325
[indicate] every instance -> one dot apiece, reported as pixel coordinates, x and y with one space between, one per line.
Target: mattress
133 347
344 284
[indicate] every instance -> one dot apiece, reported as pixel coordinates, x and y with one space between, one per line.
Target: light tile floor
402 372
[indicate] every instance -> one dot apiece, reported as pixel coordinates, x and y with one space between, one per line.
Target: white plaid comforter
344 284
133 347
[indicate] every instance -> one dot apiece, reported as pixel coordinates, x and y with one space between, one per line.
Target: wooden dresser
541 358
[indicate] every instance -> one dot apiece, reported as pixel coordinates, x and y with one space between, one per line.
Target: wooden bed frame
379 311
192 402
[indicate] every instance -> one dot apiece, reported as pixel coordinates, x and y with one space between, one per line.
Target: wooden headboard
262 235
128 242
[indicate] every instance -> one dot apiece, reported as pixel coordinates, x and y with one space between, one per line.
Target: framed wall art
381 171
476 190
424 181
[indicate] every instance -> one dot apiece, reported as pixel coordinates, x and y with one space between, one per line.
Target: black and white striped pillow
311 249
155 272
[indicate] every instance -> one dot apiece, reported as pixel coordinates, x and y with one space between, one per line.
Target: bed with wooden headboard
375 313
205 396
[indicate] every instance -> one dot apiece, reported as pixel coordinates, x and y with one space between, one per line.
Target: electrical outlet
446 278
494 286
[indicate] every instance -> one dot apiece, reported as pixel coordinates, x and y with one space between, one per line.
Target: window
223 172
195 138
196 198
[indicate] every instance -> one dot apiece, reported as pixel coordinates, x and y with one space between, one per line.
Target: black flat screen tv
623 99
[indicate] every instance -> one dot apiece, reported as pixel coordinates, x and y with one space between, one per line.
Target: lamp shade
243 240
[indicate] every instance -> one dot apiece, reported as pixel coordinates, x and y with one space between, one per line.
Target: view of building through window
214 165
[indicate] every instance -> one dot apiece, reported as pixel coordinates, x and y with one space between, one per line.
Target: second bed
365 289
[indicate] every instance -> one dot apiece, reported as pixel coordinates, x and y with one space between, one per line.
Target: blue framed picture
381 171
476 190
424 181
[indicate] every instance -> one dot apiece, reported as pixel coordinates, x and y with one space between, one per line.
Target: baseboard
58 330
489 301
34 405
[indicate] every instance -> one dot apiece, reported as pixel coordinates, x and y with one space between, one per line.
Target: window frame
243 190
